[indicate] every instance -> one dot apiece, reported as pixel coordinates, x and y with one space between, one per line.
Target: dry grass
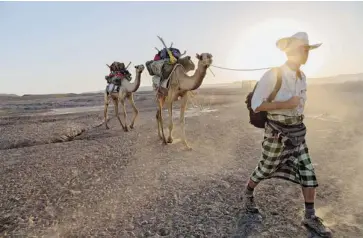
108 183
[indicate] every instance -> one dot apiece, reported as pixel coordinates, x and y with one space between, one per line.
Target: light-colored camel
179 86
127 90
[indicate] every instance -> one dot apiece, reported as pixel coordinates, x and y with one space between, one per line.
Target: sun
256 46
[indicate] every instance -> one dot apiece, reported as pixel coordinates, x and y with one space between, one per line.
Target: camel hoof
107 127
188 147
131 126
126 129
170 140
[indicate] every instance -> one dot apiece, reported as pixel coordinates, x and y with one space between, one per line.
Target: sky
63 47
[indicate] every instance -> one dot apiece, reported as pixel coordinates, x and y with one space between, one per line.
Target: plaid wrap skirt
278 161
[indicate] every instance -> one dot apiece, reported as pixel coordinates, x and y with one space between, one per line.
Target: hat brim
283 44
315 46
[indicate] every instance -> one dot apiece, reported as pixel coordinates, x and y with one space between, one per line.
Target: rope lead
240 69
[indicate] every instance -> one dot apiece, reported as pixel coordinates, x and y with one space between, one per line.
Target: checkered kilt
278 161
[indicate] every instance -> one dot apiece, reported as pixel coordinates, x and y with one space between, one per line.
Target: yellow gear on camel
171 56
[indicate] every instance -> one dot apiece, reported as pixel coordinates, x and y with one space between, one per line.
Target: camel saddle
114 80
112 88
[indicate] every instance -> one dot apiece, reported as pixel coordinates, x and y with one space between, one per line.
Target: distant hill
355 79
337 79
56 95
142 88
4 96
8 95
342 78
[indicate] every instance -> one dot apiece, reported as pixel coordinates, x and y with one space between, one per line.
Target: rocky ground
65 175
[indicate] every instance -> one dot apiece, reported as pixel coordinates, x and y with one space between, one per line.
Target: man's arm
263 91
270 106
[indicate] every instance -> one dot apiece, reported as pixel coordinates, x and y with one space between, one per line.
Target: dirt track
66 176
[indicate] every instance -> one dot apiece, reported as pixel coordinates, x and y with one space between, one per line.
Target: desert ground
62 174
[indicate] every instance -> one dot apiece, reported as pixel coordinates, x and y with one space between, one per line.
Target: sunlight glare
256 46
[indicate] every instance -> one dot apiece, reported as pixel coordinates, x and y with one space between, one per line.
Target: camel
127 90
179 86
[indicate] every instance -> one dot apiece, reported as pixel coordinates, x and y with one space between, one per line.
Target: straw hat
300 38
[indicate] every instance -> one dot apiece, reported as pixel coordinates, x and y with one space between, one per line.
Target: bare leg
252 184
170 110
115 102
309 194
136 112
183 105
107 100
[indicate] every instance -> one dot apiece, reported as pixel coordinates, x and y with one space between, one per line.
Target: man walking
284 150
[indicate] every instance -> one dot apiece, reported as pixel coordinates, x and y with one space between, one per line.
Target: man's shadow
248 224
251 225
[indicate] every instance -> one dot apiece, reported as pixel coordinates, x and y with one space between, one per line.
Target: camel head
204 59
139 68
187 63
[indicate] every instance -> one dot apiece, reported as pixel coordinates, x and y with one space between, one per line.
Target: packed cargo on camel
118 71
163 64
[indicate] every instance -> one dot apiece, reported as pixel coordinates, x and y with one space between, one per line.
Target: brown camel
127 90
179 86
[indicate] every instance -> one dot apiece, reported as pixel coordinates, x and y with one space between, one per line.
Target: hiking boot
315 223
249 204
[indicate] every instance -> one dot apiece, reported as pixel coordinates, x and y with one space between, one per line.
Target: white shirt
290 86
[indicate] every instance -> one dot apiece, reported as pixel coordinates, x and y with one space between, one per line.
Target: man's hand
293 102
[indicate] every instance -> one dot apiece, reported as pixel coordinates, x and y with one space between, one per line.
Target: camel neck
137 81
193 82
199 76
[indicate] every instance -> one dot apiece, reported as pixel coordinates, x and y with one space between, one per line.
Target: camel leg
160 119
158 122
136 112
157 119
115 102
125 114
183 105
171 126
107 100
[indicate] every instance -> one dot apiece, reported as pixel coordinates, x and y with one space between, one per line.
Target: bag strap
277 85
